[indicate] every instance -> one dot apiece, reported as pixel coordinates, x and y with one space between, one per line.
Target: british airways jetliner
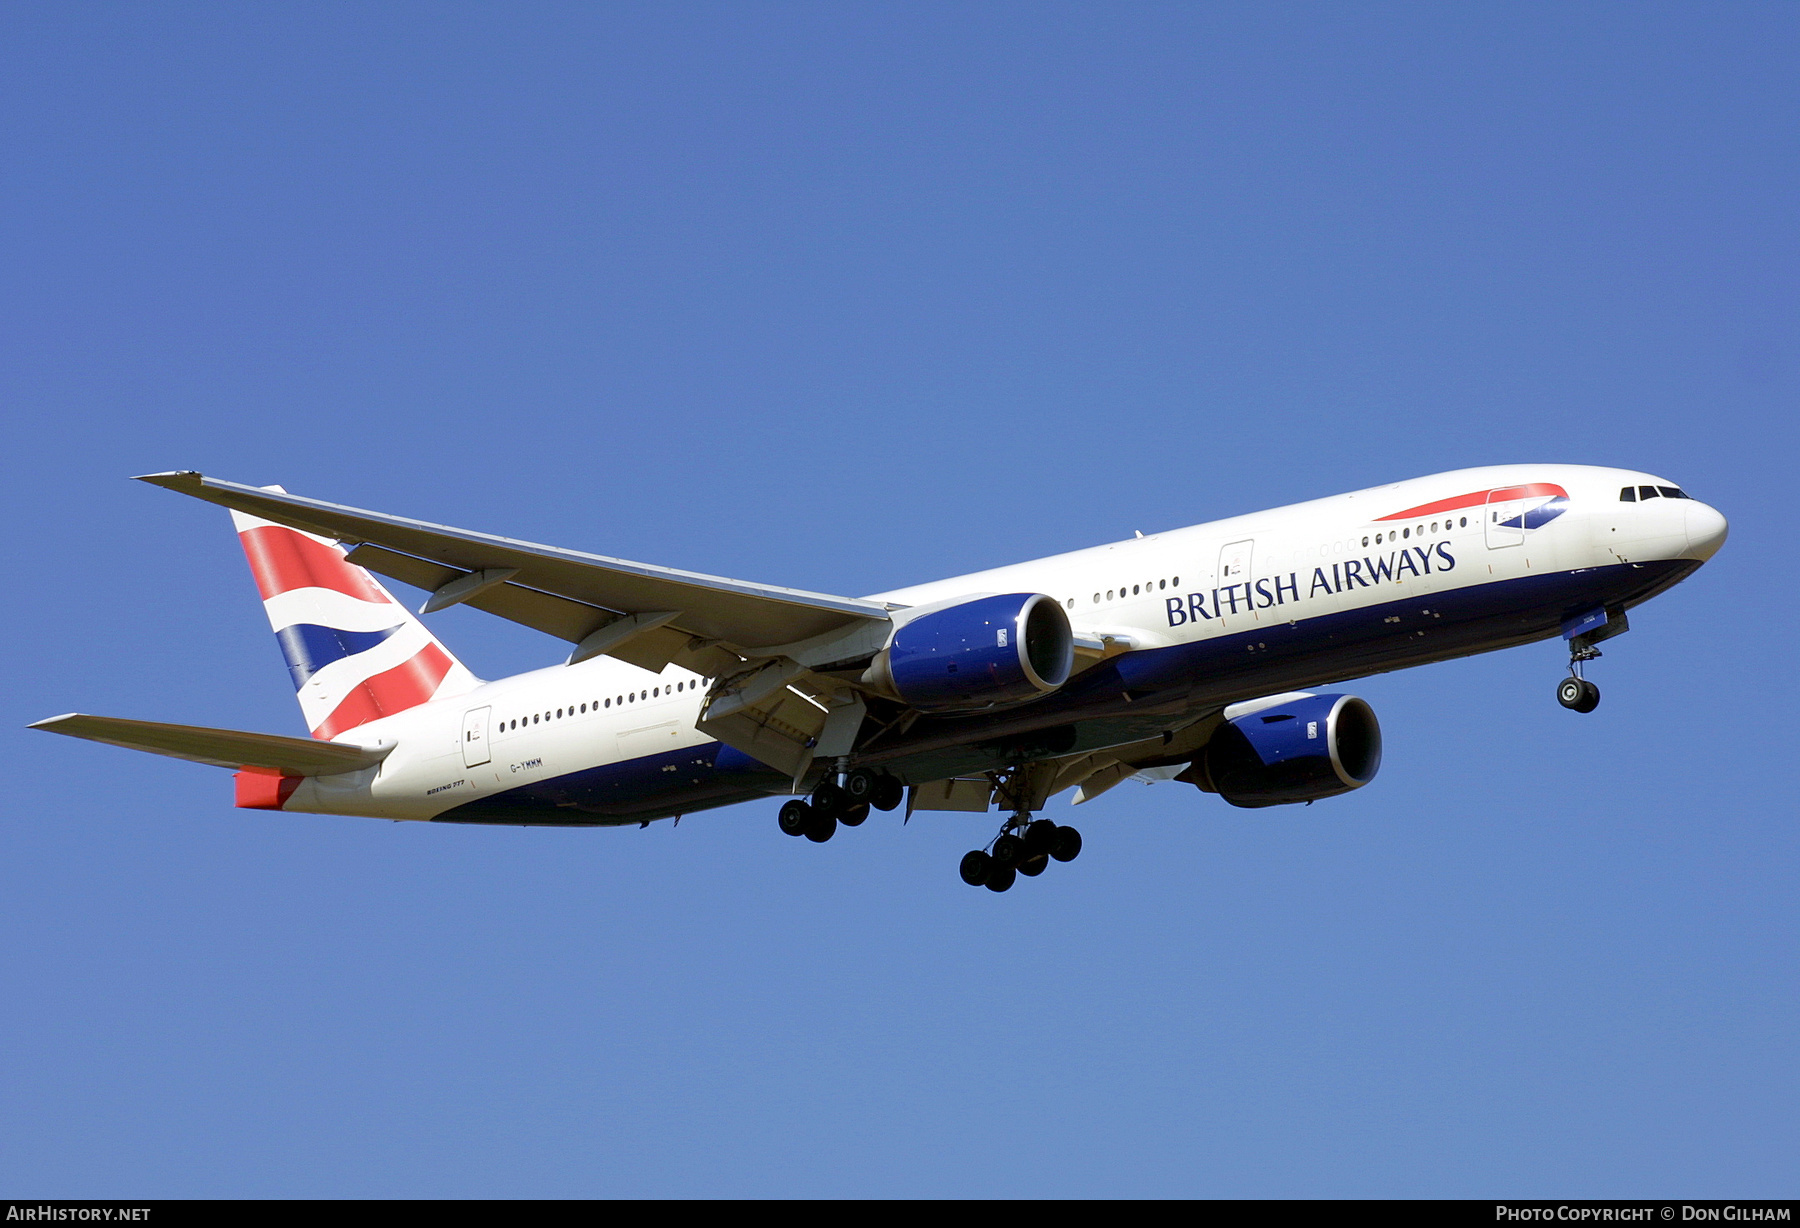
1176 656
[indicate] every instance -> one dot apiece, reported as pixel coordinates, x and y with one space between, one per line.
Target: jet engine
1295 748
975 654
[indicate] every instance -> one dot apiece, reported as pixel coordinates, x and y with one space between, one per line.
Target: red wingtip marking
283 560
407 685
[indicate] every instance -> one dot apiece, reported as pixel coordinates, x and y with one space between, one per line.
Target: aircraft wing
643 614
226 748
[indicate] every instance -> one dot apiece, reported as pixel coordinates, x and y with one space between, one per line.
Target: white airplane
1173 656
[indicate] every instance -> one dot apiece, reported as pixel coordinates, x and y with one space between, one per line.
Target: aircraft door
475 737
1504 520
1234 579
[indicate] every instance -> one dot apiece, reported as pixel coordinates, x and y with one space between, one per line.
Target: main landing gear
1576 692
1022 847
847 803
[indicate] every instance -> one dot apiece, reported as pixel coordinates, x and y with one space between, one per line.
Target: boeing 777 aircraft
1174 656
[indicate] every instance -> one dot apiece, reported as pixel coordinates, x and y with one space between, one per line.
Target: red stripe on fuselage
1529 491
283 560
407 685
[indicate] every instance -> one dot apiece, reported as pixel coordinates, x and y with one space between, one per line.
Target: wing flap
226 748
546 612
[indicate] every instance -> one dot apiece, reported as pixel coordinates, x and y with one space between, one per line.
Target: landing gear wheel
1591 699
820 828
862 785
889 793
829 798
794 817
1001 878
1040 836
974 868
1031 867
853 814
1578 694
1068 844
1009 851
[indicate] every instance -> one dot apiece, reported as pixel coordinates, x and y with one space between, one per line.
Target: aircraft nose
1706 530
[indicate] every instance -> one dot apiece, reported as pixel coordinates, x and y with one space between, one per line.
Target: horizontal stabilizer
226 748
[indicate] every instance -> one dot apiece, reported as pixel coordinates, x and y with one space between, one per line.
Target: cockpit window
1672 492
1647 492
1628 494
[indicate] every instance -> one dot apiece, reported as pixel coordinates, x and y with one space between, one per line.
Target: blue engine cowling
978 654
1298 749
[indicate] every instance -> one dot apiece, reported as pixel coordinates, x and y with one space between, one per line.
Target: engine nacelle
978 654
1297 749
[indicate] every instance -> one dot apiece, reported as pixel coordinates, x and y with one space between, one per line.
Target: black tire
1031 867
1001 878
861 785
1040 836
794 817
1009 851
1570 692
889 794
821 828
1068 844
974 868
1590 697
853 814
829 798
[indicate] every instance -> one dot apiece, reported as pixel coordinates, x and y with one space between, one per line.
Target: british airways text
1279 590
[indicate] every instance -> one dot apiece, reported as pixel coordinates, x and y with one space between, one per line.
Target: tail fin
355 653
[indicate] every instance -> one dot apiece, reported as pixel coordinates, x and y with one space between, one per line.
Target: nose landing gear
1576 692
1583 631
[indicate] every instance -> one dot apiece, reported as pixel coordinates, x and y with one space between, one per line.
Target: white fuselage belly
1279 568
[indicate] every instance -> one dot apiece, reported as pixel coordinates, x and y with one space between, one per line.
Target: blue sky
847 297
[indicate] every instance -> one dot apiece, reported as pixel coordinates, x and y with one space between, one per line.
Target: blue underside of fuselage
1126 699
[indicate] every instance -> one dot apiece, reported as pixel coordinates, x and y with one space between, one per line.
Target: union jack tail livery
355 654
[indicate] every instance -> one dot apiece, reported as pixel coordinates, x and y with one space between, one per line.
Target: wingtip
49 722
175 479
